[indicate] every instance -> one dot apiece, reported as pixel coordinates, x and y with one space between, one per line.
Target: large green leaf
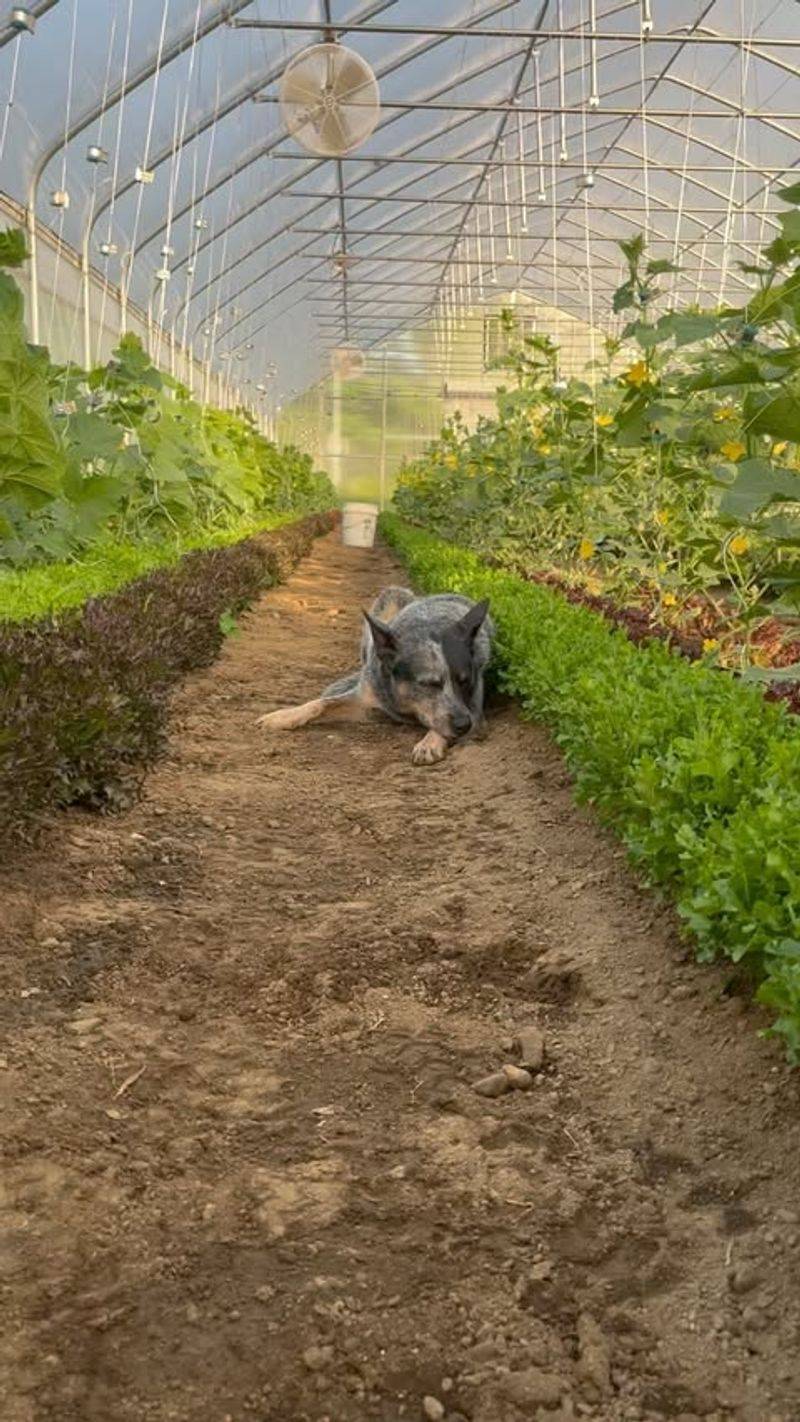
93 437
757 484
776 415
742 370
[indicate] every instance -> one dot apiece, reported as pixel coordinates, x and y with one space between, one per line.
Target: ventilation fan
329 99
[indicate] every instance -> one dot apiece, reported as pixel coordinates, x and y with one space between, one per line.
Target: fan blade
351 75
333 133
298 87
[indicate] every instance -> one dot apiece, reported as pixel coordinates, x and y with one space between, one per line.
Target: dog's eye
435 683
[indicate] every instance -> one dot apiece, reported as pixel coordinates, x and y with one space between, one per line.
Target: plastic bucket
359 522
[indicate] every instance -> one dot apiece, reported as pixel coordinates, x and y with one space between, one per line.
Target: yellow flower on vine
662 516
725 412
710 644
760 658
733 449
781 447
586 549
604 421
543 448
739 544
451 461
662 567
669 600
638 374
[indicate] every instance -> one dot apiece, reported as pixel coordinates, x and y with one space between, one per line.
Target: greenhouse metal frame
571 124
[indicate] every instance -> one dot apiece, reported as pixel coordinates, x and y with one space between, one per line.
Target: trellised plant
668 476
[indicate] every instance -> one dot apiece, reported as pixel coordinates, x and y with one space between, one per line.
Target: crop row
697 773
84 695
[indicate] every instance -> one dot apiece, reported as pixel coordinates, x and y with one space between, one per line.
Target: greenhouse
399 697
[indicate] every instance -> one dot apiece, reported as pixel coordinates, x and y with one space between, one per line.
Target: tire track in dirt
246 1175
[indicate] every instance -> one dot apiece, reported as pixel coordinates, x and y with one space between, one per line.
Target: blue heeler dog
422 660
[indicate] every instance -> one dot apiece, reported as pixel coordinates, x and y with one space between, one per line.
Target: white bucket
359 522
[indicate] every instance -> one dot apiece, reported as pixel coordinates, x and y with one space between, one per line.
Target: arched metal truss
568 123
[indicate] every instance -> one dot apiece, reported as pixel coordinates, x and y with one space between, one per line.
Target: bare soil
247 1175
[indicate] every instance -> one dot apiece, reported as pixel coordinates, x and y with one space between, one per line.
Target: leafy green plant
696 772
122 452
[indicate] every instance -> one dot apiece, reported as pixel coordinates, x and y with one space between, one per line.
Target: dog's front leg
429 750
329 708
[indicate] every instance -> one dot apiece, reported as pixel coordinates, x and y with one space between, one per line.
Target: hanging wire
541 196
479 251
222 288
589 255
492 247
177 152
63 181
564 153
739 156
197 231
523 186
554 235
78 305
594 96
701 266
126 284
643 33
509 257
682 189
115 176
12 89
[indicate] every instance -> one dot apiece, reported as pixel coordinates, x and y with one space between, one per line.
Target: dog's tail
391 601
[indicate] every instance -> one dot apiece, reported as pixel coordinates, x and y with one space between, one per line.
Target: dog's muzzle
461 722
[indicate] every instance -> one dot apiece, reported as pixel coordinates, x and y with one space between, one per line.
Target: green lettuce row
696 772
45 590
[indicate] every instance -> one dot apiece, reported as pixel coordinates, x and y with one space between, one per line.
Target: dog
423 660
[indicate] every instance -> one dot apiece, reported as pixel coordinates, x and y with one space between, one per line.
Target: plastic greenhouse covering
352 298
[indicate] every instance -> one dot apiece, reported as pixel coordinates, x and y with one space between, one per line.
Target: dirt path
247 1176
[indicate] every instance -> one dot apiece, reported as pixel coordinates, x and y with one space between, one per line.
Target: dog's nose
461 722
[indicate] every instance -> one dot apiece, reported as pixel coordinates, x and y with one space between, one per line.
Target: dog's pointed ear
383 638
471 623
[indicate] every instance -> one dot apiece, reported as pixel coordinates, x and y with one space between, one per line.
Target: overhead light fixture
167 251
586 180
60 198
201 224
143 175
108 249
190 269
96 154
163 274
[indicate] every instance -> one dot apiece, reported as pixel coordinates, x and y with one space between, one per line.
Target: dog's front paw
429 750
287 719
